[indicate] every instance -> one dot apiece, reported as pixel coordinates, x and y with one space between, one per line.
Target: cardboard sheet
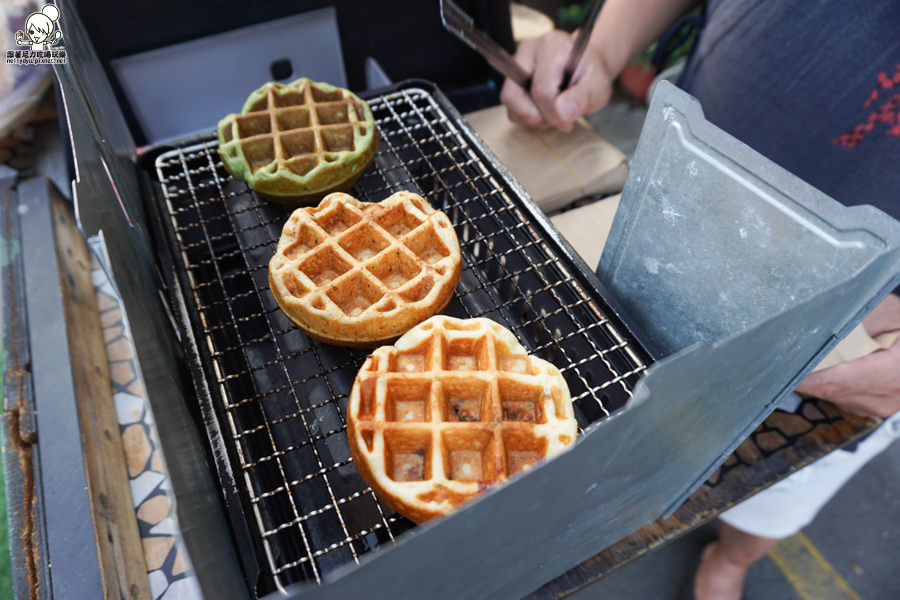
857 344
555 168
587 227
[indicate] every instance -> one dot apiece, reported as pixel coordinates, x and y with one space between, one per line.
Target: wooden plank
116 531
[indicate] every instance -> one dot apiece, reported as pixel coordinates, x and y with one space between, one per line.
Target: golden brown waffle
295 143
456 405
360 274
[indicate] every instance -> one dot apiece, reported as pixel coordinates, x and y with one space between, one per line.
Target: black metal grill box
724 280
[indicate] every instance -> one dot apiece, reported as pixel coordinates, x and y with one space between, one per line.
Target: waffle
452 408
296 143
360 274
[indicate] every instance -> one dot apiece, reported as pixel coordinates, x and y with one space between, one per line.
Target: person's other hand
869 385
546 106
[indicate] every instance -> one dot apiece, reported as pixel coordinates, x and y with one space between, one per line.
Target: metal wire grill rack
283 396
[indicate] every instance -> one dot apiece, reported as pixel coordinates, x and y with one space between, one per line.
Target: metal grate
283 396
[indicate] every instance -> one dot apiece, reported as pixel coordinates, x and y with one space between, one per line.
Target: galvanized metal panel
711 238
712 241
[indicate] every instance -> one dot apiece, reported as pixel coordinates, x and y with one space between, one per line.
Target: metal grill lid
711 238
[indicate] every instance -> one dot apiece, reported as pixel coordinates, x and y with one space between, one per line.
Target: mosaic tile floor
168 565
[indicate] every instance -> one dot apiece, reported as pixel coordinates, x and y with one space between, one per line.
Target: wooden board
115 524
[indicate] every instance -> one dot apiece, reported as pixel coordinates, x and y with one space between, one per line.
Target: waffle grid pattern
280 399
369 271
298 139
455 405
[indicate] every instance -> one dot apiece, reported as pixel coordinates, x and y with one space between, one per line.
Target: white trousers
791 504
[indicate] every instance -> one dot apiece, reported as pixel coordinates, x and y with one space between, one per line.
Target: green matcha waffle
298 142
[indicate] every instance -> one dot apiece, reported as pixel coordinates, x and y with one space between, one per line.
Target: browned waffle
296 143
360 274
455 406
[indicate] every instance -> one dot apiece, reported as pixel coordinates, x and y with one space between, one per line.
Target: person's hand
869 385
545 59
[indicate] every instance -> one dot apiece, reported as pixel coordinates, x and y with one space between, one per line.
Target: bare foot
717 577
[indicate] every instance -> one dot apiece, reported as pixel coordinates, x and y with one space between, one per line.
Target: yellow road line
811 576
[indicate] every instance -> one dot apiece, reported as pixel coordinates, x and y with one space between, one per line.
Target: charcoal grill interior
281 397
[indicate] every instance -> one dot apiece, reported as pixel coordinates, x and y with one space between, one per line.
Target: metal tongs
457 22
